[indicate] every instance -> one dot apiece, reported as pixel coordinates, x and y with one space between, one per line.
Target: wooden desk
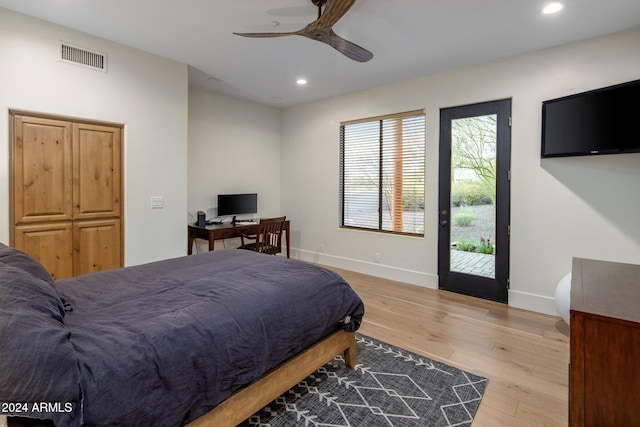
227 231
604 374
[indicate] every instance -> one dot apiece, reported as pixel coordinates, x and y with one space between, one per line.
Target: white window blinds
382 173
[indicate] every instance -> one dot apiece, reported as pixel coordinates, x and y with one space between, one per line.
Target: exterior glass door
474 199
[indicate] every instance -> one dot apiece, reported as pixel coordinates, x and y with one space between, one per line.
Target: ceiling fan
321 30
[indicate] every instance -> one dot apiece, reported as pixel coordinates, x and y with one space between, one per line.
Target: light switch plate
157 202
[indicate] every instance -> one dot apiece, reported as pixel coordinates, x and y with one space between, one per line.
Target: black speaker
202 219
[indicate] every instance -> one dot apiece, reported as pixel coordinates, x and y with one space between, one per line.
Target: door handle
444 223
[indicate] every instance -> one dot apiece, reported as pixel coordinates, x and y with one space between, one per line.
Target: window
382 173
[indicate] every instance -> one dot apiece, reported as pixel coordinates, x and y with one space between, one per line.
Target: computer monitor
237 204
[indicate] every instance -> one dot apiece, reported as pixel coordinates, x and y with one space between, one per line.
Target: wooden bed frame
250 399
247 401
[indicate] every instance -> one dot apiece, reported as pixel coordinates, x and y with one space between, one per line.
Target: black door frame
495 289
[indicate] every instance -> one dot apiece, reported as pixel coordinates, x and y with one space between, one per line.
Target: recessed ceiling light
552 8
301 82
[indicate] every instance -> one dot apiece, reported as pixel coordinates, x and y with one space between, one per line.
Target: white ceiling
409 38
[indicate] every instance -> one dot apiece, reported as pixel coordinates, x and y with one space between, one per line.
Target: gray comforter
162 343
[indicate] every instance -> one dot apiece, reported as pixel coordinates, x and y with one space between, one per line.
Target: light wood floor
524 354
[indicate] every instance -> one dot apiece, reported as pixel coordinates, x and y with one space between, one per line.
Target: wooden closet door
66 187
96 171
41 167
50 244
96 246
97 238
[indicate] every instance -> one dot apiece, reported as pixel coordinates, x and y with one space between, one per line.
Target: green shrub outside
413 201
484 246
463 218
465 245
470 193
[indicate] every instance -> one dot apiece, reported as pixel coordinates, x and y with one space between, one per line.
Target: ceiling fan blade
322 31
264 35
333 11
347 48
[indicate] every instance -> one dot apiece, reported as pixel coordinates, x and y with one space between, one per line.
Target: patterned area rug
388 387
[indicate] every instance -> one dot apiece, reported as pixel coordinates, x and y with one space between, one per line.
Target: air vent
80 56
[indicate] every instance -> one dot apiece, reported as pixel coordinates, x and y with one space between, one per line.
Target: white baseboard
386 272
533 302
517 299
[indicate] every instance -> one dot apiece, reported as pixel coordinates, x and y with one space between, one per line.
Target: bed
206 339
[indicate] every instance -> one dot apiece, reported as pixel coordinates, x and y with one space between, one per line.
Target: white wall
561 208
146 93
234 147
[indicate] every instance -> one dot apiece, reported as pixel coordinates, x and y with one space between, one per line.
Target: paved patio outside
473 263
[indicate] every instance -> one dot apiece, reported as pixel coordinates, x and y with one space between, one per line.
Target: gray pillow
14 257
37 360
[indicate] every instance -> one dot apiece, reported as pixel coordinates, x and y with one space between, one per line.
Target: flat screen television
237 204
601 121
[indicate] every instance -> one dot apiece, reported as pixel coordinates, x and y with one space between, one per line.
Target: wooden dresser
604 375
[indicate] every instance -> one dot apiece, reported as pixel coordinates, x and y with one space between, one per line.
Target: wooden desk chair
268 239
